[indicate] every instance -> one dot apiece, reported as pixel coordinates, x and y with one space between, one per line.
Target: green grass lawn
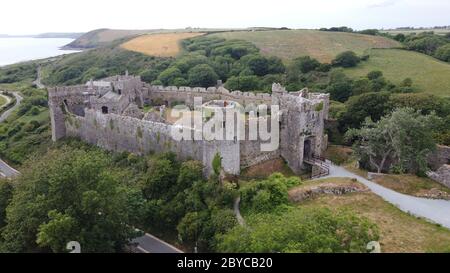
2 101
399 231
428 74
322 45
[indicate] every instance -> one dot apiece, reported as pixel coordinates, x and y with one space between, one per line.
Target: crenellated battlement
109 113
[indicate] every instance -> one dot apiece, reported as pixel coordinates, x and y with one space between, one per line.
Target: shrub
443 53
217 163
301 230
265 195
346 59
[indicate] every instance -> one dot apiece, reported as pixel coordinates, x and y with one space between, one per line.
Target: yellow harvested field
160 45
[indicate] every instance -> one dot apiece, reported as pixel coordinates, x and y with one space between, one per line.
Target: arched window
104 109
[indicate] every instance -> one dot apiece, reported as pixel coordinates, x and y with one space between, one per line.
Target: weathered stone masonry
108 114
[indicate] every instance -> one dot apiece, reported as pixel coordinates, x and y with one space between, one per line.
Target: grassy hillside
324 46
104 36
160 45
399 231
101 37
98 63
428 74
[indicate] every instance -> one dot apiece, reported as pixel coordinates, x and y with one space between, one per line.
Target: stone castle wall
76 111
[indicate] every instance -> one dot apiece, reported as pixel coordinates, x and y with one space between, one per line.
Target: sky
19 17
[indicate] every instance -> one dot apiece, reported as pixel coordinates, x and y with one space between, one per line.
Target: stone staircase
320 167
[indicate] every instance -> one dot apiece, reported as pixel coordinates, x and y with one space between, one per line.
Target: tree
275 65
405 137
373 32
168 75
373 105
346 59
265 195
426 43
400 37
257 63
149 75
443 53
6 193
202 75
305 64
340 86
243 83
161 176
68 195
424 103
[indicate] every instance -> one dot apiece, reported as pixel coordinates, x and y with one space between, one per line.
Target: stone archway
308 148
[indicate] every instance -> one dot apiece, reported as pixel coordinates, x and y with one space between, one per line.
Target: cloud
382 3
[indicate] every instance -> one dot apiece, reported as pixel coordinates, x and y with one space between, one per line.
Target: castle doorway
104 109
307 148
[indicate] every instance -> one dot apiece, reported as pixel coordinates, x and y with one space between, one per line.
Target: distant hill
322 45
71 35
101 37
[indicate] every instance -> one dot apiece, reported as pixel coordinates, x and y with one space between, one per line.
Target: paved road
6 114
150 244
38 82
437 211
237 211
5 169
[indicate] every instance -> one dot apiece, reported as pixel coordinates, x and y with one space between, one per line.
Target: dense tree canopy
68 195
401 140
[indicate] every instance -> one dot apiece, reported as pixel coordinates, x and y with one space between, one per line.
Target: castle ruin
122 113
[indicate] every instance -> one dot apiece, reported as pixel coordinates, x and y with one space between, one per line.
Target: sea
14 50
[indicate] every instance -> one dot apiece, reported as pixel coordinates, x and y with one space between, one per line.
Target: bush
443 53
305 64
346 59
374 75
265 195
301 230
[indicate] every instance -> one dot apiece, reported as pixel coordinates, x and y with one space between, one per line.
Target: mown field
324 46
159 45
428 74
399 231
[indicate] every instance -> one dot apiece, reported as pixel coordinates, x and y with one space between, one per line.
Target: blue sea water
14 50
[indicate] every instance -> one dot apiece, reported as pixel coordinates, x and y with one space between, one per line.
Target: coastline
30 52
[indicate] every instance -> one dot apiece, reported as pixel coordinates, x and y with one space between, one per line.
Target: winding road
437 211
5 169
